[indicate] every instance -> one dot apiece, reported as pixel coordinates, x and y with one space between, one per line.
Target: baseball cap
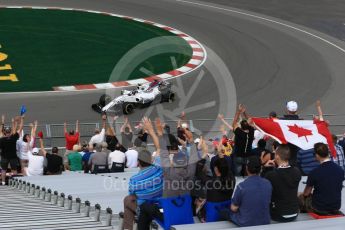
184 125
292 106
35 150
145 156
197 140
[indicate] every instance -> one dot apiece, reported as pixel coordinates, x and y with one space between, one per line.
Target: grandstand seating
21 210
109 189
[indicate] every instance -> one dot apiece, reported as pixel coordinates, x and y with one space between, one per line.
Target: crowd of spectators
270 173
25 153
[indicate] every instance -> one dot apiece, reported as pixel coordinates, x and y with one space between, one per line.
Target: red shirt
71 140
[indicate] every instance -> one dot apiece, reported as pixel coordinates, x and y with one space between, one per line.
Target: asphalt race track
269 61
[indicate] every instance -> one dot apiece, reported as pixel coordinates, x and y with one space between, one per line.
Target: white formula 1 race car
143 96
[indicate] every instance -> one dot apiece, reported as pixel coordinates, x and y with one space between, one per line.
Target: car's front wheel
104 100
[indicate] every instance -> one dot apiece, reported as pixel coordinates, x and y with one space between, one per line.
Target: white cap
35 150
292 106
197 140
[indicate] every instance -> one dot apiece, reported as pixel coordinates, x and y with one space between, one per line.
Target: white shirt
116 156
132 158
35 167
97 138
257 136
24 148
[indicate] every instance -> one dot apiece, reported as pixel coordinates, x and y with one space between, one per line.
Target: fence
54 133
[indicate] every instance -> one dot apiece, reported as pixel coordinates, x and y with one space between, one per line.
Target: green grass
48 48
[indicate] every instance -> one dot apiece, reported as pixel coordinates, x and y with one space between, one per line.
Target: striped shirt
147 184
307 161
340 156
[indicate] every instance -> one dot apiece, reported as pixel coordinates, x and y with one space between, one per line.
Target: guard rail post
78 204
87 208
62 202
108 217
69 202
97 212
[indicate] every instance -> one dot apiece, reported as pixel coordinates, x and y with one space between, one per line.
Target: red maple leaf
300 131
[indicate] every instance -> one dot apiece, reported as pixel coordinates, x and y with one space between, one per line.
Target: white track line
264 19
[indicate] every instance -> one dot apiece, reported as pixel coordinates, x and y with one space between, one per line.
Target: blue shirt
339 160
307 161
147 184
253 197
86 156
327 180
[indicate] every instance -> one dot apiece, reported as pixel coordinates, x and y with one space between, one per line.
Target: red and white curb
198 57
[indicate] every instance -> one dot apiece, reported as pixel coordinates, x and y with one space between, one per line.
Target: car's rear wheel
171 97
168 97
128 108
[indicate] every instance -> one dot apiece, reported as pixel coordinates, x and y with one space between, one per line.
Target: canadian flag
302 133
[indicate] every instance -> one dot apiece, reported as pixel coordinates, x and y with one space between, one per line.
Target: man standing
250 205
126 134
285 180
71 137
8 146
326 182
244 136
292 114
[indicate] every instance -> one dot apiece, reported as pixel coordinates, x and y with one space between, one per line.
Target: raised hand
241 108
318 103
221 116
147 125
159 126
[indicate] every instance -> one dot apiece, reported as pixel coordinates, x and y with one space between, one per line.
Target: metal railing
54 133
